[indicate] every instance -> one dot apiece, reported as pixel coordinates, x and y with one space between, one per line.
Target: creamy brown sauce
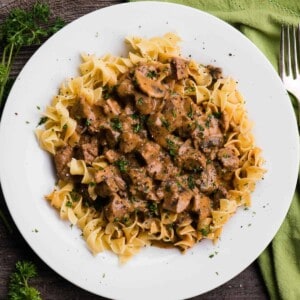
164 151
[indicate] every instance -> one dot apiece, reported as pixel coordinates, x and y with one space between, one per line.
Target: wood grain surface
247 285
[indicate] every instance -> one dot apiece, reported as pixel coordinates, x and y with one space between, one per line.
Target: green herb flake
152 74
204 231
42 120
217 114
74 196
135 116
208 120
136 128
200 127
88 122
116 124
69 203
174 114
122 164
190 89
165 123
191 112
172 147
140 101
191 182
153 208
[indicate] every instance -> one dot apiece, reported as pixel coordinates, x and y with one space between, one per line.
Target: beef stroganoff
153 148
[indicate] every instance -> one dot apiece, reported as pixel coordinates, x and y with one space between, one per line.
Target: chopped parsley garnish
190 113
191 182
140 101
165 123
217 114
42 120
69 203
190 89
204 231
152 206
172 147
208 120
116 124
136 127
75 196
151 74
200 127
135 116
108 91
122 164
88 122
174 114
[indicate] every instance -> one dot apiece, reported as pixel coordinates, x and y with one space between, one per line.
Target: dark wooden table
247 285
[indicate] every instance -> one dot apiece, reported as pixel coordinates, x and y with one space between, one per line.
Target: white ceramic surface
27 175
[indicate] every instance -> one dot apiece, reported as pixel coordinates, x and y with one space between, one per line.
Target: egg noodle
218 100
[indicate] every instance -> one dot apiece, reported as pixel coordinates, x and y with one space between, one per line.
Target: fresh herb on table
22 28
19 288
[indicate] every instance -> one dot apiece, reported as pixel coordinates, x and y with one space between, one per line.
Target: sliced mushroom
147 78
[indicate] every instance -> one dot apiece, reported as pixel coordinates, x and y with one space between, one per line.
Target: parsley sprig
19 288
22 28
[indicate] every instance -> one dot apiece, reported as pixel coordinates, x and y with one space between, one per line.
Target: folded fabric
260 21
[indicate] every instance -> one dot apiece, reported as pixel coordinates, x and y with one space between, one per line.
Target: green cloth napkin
260 21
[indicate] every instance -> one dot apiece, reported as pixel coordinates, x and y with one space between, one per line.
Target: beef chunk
88 148
149 151
180 67
117 208
129 141
61 159
201 205
112 156
207 181
228 159
145 104
158 128
111 136
189 158
111 108
110 181
140 180
90 115
176 198
126 87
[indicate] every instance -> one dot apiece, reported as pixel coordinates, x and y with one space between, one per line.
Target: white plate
27 175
